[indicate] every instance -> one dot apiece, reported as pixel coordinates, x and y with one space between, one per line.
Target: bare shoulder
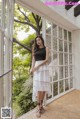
47 48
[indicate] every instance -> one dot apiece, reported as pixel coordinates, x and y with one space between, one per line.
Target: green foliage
26 42
22 96
19 16
25 102
24 19
17 87
22 84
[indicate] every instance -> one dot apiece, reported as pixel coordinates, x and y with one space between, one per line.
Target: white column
76 58
44 29
44 37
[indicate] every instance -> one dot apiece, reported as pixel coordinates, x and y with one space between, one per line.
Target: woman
40 71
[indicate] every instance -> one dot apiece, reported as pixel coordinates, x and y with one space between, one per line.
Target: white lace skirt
41 80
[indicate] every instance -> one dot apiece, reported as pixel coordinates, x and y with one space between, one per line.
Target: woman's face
39 41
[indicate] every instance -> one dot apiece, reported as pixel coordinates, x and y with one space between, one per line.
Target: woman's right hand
31 71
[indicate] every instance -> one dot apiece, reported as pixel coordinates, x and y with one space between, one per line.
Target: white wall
76 58
67 14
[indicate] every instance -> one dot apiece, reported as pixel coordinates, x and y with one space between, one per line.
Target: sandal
38 112
42 109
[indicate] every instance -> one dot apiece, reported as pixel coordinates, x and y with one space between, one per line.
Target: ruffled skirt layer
41 80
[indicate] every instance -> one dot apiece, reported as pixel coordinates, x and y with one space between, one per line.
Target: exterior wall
76 50
67 14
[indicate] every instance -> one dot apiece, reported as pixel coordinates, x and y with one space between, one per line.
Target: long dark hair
36 47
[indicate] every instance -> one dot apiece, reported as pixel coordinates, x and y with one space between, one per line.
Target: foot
42 109
38 113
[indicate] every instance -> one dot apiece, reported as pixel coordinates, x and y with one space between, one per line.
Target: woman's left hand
35 68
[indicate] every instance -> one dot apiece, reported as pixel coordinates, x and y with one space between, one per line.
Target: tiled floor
65 107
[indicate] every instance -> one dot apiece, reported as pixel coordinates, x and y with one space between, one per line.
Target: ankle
41 103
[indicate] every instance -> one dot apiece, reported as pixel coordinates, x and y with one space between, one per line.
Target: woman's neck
41 46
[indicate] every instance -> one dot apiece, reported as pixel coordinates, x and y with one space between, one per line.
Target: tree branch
36 19
33 16
14 40
41 25
26 18
28 23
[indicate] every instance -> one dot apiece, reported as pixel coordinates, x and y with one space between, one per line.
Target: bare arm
33 62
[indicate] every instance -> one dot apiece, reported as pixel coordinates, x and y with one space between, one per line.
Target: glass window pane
54 43
65 47
71 82
70 70
70 47
49 97
60 59
55 58
55 73
66 84
7 18
60 72
65 34
66 71
65 59
70 59
69 36
48 41
61 86
48 27
60 32
55 88
50 72
60 45
54 27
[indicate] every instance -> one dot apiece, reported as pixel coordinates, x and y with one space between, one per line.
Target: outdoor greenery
22 82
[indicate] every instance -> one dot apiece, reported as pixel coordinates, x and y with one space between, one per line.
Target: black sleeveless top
40 54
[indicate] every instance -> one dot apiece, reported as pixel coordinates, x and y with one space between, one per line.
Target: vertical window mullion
52 54
58 55
63 60
68 60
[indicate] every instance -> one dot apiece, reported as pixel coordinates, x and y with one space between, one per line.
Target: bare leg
39 97
42 98
43 95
